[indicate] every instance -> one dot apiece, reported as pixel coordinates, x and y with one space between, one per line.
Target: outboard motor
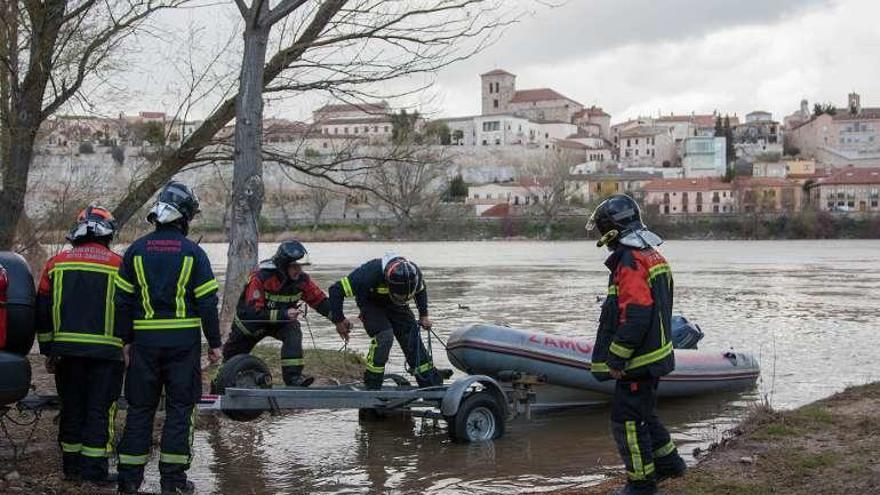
17 330
685 334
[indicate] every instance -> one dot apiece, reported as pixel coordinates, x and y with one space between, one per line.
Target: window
324 144
714 208
476 196
665 197
346 130
386 128
627 143
637 152
491 125
355 130
375 128
637 141
490 88
495 103
335 130
366 129
699 197
485 142
666 209
699 208
715 198
497 141
497 86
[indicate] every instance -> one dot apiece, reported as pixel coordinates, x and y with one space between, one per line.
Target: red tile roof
702 184
499 210
380 107
852 176
865 114
540 94
497 72
571 145
644 130
747 182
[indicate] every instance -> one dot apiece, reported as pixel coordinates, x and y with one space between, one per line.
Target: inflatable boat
565 362
16 326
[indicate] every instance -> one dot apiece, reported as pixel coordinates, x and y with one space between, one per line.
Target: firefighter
166 296
382 289
75 314
634 342
270 306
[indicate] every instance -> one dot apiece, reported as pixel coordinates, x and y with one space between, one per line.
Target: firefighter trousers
643 442
88 389
290 335
384 324
177 370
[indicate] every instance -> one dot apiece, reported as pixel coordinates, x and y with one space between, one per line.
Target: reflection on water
802 307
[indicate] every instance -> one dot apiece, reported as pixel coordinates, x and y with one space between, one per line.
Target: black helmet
290 252
615 218
403 278
176 201
93 222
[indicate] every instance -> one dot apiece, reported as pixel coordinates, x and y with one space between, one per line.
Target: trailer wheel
479 419
242 371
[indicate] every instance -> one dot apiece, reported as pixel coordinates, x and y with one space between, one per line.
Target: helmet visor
591 222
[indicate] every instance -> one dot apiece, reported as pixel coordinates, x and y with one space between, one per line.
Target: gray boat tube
565 361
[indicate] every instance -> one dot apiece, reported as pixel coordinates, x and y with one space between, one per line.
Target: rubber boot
186 488
70 462
429 378
669 466
299 380
373 381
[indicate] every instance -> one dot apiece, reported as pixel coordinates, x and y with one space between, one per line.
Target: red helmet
93 221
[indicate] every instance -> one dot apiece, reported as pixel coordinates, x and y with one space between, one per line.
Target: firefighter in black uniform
75 314
382 289
270 305
166 297
634 343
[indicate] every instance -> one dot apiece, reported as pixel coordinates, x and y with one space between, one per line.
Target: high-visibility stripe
273 315
241 326
57 283
87 338
44 337
375 369
206 288
346 287
167 324
650 357
111 426
425 367
71 447
145 289
94 451
109 305
649 470
288 298
371 356
182 282
382 290
599 366
123 284
656 271
612 290
173 458
293 362
662 329
665 450
84 266
137 460
621 351
632 442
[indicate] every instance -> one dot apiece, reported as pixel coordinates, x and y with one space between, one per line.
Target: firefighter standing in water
269 305
634 343
75 314
382 289
166 297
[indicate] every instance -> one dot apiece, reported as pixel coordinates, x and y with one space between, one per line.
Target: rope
18 449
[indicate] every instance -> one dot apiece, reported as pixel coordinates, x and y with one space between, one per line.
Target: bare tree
50 49
545 180
410 186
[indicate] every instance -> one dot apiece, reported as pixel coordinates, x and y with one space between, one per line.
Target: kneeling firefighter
270 305
166 297
75 330
634 343
382 289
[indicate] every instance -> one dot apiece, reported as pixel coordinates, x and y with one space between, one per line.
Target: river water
808 309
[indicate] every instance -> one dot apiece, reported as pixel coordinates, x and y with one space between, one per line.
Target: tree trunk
15 177
247 177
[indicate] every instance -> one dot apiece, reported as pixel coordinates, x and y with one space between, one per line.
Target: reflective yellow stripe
619 350
612 290
173 458
371 355
123 284
293 362
658 270
167 324
632 441
182 282
424 368
71 447
284 298
662 329
599 367
145 289
382 289
87 338
44 337
206 288
57 283
650 357
665 450
346 287
109 305
84 266
93 451
273 315
134 459
111 426
241 327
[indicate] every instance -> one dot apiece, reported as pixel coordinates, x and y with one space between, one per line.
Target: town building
367 120
505 130
768 195
850 189
704 156
849 136
592 187
759 137
646 146
500 96
523 192
689 196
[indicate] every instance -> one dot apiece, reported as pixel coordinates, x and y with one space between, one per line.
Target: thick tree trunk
15 178
247 177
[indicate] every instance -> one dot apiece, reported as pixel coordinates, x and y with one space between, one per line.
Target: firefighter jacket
75 311
367 285
268 295
634 332
166 292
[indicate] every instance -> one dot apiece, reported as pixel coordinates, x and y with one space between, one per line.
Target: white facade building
704 157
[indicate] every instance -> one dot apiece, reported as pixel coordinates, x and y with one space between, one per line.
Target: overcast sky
641 57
